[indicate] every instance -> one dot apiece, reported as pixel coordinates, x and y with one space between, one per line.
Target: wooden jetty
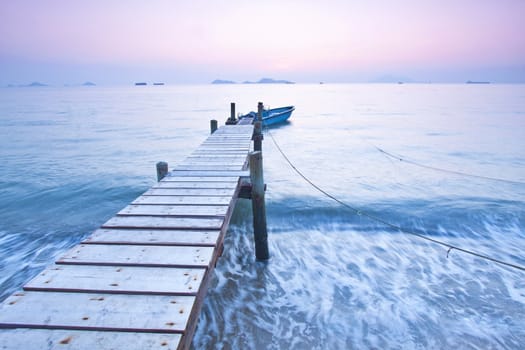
138 282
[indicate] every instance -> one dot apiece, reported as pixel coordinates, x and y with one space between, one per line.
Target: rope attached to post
386 223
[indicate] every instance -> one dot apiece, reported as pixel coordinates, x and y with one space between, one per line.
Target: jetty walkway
138 282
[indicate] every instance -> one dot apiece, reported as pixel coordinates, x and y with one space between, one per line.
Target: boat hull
272 116
277 115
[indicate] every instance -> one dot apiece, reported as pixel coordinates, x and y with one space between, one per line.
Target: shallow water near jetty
73 157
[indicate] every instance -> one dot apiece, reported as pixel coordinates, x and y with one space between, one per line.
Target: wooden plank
220 145
217 159
222 159
138 255
242 173
234 130
214 160
207 150
183 200
123 279
153 237
174 178
242 139
164 222
213 167
226 139
204 192
175 210
202 184
210 150
39 339
92 311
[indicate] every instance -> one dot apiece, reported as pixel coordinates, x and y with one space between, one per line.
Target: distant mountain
34 84
220 81
88 83
261 81
273 81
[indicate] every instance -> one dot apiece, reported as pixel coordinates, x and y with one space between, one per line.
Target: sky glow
305 41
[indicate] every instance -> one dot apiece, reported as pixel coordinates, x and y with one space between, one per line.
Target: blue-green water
72 157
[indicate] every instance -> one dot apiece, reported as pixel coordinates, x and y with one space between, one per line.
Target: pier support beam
258 206
257 129
232 120
162 170
213 126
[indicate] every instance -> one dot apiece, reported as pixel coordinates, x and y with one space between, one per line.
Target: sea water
443 161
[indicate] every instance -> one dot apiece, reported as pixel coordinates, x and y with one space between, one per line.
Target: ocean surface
443 161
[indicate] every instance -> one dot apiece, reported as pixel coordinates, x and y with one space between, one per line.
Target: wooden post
213 126
162 170
258 206
232 120
260 108
257 129
232 111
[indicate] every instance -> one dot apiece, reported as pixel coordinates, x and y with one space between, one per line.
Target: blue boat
272 116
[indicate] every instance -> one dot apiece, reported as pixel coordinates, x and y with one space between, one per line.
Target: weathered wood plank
234 130
240 143
213 167
219 149
216 153
189 184
213 160
40 339
228 142
173 178
242 173
223 157
92 311
183 200
164 222
153 237
217 159
227 139
134 255
175 210
123 279
204 192
210 150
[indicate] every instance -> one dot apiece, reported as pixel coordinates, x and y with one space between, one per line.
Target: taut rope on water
455 172
449 247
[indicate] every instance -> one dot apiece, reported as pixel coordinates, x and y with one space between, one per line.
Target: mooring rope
402 159
386 223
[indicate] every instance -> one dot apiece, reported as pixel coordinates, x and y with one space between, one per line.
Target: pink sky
307 40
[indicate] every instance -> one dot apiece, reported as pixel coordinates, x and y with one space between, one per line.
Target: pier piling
213 126
162 170
258 206
257 129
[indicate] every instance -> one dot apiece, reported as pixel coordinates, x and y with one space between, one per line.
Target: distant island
477 82
261 81
88 83
33 84
141 84
220 81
